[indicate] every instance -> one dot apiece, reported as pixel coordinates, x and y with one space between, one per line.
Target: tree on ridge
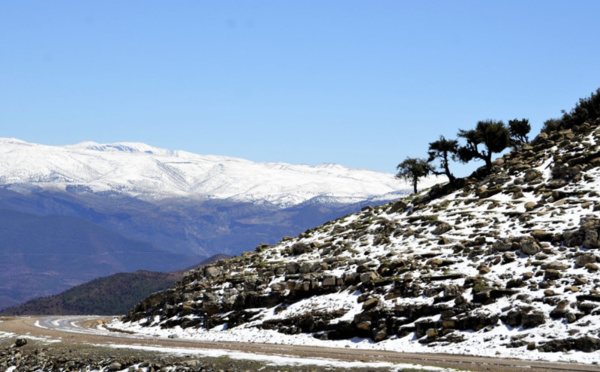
491 134
413 169
444 150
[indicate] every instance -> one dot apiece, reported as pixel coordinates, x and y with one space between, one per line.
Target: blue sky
360 83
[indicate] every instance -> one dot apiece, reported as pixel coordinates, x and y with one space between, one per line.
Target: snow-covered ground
492 347
273 360
454 237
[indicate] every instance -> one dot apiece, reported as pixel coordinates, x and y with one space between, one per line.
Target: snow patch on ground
471 346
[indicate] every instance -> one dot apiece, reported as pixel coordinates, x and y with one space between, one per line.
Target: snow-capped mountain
150 174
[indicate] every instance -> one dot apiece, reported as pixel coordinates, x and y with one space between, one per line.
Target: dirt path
27 326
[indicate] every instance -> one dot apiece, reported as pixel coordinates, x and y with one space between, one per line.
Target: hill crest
506 265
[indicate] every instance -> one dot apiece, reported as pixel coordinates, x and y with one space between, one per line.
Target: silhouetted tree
413 169
491 134
551 125
587 109
444 150
519 129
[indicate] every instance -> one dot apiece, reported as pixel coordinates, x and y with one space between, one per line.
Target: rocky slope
509 261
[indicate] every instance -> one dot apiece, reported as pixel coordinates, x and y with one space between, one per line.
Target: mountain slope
45 255
109 295
505 265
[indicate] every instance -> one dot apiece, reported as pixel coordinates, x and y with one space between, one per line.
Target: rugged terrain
505 264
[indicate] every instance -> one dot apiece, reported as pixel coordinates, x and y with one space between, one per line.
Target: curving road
80 329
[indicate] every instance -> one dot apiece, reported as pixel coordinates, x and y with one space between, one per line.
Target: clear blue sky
359 83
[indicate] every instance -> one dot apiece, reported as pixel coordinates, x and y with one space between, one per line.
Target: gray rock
441 228
590 239
368 277
573 238
212 272
20 342
502 245
533 319
532 174
584 258
300 248
114 366
292 267
529 246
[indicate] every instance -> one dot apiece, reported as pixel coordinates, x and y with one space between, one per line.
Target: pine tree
491 134
413 169
444 150
519 129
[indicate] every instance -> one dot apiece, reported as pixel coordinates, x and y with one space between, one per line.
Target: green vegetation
489 137
518 131
112 295
491 134
586 109
444 150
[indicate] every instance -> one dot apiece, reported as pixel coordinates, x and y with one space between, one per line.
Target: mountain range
74 213
150 174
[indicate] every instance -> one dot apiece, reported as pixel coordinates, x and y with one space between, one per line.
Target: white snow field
149 173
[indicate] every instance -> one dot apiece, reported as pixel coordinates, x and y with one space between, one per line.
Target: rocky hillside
509 261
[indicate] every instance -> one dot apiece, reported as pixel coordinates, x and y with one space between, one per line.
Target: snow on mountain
503 265
149 173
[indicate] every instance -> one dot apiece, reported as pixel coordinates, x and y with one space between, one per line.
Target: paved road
77 329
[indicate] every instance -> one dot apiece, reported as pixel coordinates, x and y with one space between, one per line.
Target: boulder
399 206
533 319
442 228
552 274
370 303
590 239
573 238
531 175
300 248
292 267
368 277
542 236
529 246
584 258
503 245
114 366
586 344
529 206
20 342
212 272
